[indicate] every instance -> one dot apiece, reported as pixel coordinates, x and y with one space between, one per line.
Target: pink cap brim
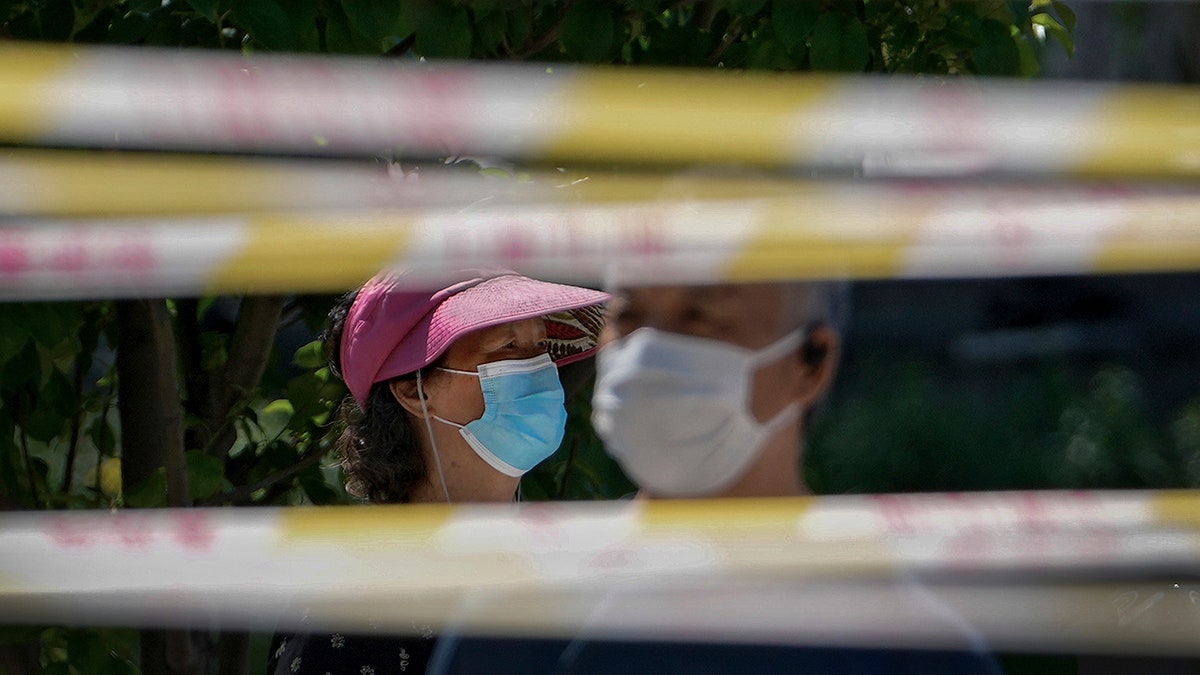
391 332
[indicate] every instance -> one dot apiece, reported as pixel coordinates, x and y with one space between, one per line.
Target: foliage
926 36
1058 425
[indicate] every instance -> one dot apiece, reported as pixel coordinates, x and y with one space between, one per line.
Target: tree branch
703 14
549 37
242 372
29 472
76 424
242 494
731 35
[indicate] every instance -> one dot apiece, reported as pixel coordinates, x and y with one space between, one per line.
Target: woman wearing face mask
454 395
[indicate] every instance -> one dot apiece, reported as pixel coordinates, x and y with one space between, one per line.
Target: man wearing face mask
706 392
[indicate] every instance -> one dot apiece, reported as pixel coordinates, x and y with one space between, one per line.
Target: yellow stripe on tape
771 259
25 80
352 525
88 184
1164 257
1145 131
819 237
725 515
1177 507
681 116
339 254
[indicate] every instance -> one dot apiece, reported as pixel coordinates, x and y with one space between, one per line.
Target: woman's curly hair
379 446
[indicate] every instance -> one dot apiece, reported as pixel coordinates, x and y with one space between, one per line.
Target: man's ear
405 393
819 357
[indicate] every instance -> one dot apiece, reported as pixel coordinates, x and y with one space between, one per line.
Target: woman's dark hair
380 449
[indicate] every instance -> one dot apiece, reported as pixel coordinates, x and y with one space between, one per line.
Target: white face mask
674 410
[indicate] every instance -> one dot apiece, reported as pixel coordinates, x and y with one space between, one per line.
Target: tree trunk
152 437
148 398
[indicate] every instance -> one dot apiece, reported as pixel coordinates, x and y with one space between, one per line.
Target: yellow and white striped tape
143 98
546 567
817 230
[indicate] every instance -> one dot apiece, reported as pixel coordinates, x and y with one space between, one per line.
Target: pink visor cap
392 330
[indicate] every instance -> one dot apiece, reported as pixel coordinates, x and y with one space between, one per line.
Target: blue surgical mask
524 417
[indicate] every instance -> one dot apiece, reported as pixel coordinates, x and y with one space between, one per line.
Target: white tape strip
665 561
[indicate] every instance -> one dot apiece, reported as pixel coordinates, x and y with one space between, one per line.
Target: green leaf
101 434
310 356
587 31
793 20
675 46
14 332
444 32
58 395
312 394
372 19
770 54
1056 30
166 27
57 20
839 43
1029 62
312 481
24 371
205 8
265 22
520 27
747 7
962 30
340 38
998 54
1066 14
489 31
150 493
206 474
1046 20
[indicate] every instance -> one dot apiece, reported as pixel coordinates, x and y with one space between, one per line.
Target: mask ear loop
429 428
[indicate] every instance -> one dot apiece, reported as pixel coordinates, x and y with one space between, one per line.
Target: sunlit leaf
206 474
1066 14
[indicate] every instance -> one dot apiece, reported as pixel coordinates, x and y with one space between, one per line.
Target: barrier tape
821 230
609 566
90 184
142 98
106 184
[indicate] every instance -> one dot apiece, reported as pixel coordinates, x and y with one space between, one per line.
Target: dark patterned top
337 654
